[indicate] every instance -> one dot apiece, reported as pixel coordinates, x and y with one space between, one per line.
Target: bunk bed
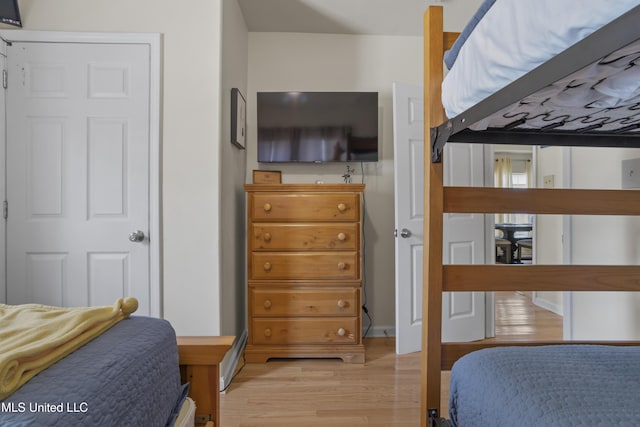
529 108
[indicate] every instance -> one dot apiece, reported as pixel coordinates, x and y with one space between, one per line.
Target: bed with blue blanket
548 73
127 376
560 385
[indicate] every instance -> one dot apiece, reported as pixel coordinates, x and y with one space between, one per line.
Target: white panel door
463 313
77 173
408 127
459 309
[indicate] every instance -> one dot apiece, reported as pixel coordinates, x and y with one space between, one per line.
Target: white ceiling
382 17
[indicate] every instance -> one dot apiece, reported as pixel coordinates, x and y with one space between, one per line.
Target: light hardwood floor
384 392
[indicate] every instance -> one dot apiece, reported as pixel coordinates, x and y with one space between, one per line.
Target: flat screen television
317 127
9 13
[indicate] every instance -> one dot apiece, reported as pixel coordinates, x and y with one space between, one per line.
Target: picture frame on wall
238 119
10 13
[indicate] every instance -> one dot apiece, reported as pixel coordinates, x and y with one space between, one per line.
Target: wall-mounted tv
317 127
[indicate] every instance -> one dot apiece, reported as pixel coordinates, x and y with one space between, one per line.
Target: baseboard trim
380 331
231 360
547 305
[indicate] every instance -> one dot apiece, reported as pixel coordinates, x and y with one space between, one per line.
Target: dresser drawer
312 265
337 330
305 207
304 302
274 237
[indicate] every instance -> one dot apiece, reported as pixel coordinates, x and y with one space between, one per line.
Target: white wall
235 39
604 240
190 136
548 238
320 62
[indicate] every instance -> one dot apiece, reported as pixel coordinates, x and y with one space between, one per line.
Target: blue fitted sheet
128 376
560 385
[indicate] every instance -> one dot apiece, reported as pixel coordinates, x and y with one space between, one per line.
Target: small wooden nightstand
199 365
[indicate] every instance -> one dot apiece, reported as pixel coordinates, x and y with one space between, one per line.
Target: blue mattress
128 376
562 385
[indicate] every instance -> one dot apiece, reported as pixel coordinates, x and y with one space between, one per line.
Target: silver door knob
405 233
136 236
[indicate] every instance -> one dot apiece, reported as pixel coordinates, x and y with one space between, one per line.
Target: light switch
631 173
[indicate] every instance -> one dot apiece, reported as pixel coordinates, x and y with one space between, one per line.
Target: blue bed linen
560 385
128 376
451 55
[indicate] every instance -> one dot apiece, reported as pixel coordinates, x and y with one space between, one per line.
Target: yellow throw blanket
34 337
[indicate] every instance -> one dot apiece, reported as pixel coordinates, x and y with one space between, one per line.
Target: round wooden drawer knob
267 332
267 266
267 207
341 332
267 304
341 266
342 207
341 303
267 237
342 237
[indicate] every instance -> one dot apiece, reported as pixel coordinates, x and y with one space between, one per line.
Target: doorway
514 167
532 239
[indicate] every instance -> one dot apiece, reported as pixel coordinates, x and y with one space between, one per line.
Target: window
519 180
513 171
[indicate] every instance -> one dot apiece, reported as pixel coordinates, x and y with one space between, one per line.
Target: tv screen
317 127
9 12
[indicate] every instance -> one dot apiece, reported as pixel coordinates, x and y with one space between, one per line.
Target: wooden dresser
304 271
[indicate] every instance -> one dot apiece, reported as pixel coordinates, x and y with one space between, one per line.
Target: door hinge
5 209
5 80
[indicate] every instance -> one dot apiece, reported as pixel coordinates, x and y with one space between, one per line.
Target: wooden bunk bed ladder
436 41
